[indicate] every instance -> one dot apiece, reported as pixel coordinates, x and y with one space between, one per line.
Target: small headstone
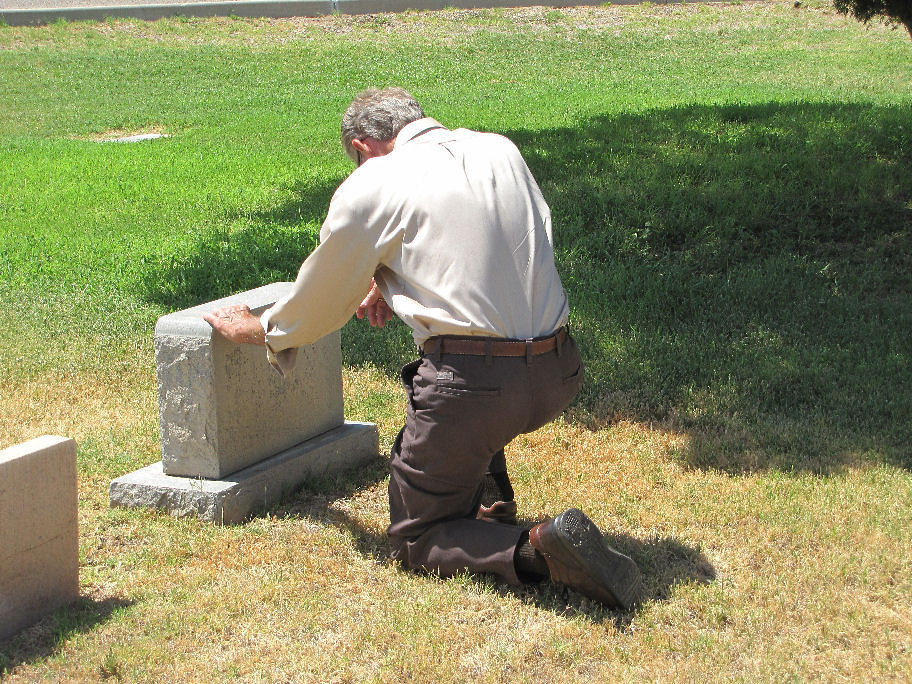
235 435
222 407
39 542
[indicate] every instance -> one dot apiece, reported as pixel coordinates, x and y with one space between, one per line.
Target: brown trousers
462 411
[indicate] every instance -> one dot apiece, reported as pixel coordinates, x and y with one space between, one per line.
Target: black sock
496 487
531 566
502 481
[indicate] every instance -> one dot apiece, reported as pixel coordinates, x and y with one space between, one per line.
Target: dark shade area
46 637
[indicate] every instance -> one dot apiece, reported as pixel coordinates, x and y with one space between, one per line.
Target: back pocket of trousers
455 391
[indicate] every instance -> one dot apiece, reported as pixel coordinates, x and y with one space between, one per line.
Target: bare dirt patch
116 134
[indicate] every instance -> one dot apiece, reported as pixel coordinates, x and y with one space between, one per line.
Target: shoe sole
583 541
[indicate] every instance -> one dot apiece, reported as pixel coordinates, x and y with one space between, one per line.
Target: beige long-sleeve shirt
456 232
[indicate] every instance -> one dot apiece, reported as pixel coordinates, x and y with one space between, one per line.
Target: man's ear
360 146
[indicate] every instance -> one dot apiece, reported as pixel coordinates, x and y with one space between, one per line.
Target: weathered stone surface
39 543
236 497
223 408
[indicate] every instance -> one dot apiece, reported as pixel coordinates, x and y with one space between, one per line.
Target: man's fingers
376 309
378 313
229 313
370 299
384 313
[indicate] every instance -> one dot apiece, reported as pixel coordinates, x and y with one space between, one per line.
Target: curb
267 8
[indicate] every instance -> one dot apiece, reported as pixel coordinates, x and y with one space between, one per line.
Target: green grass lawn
731 188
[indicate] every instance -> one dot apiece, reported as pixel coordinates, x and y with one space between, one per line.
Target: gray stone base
235 498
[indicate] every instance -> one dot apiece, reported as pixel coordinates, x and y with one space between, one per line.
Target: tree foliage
865 10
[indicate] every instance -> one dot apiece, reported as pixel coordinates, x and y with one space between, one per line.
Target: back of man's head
378 114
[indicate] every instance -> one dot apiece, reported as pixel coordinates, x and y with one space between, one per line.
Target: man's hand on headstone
375 307
238 324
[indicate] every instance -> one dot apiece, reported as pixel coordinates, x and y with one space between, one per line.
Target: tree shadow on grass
742 273
47 636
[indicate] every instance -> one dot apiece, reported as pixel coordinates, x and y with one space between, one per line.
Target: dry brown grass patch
75 405
758 575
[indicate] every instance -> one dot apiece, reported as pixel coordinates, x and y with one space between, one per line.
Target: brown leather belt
487 346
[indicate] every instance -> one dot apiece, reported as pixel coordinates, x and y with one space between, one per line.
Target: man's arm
238 324
329 285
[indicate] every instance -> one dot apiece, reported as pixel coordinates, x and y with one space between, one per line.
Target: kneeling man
451 232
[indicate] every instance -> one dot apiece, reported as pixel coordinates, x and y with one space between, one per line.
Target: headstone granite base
237 497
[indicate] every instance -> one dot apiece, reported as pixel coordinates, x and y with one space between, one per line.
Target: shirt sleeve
330 285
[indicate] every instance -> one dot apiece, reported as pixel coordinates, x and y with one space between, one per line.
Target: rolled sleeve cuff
282 360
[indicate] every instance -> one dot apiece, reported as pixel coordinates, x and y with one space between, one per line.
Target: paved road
52 4
18 12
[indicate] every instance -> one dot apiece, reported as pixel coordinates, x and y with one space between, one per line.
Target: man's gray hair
378 114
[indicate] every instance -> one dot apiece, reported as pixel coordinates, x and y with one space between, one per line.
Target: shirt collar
416 128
